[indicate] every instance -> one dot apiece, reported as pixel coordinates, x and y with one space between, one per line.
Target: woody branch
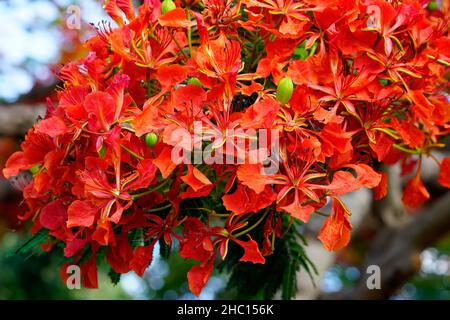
17 119
396 250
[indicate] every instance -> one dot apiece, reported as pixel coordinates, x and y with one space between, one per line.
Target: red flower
415 193
107 161
444 174
202 244
292 14
335 232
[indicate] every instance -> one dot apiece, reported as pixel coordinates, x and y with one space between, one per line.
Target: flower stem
142 194
406 150
179 46
131 152
254 225
323 214
201 209
189 31
160 208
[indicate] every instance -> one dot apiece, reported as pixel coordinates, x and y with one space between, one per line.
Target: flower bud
284 90
432 5
194 81
102 152
151 139
35 169
167 5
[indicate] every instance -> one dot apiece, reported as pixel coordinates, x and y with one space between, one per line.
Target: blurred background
413 251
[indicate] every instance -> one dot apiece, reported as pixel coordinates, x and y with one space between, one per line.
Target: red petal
195 178
169 76
252 88
196 242
343 182
251 251
72 101
127 7
164 162
81 214
298 211
250 176
422 107
175 18
415 193
104 233
15 164
444 174
202 192
382 146
141 259
245 200
366 176
381 190
89 273
120 255
103 106
53 126
335 232
145 121
260 115
198 276
412 136
113 11
147 172
335 138
74 246
53 215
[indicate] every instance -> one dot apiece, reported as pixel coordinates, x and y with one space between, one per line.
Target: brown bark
17 119
397 251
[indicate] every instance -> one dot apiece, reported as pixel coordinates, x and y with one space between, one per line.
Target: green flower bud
194 81
284 90
102 151
432 5
35 169
151 139
167 5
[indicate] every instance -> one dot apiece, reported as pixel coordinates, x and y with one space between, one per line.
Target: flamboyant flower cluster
346 84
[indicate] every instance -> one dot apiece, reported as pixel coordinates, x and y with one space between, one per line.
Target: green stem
388 132
221 215
401 148
189 31
320 213
254 225
131 152
200 209
272 243
291 222
160 208
179 46
142 194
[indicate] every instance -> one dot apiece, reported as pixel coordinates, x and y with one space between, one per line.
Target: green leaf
383 82
28 245
279 272
313 49
164 249
114 276
301 53
289 283
432 5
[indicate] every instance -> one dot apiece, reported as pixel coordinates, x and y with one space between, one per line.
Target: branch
397 251
359 204
17 119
